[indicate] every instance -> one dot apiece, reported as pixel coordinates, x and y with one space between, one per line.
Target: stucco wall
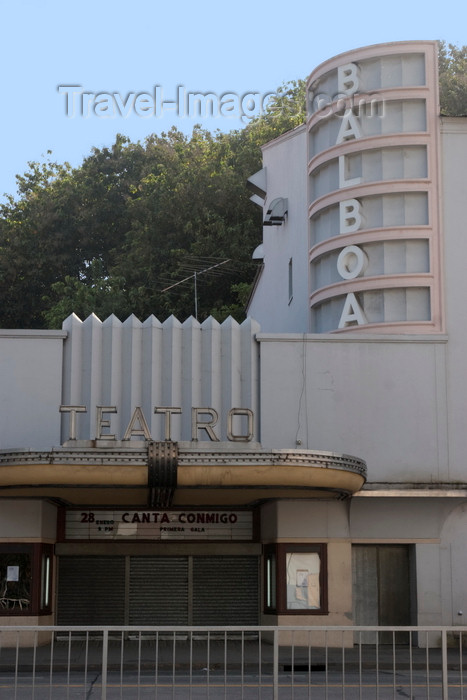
454 158
37 521
285 163
383 400
30 388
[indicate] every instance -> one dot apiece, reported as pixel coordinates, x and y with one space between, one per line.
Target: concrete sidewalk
248 655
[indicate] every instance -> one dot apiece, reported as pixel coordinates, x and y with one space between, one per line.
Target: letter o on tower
351 262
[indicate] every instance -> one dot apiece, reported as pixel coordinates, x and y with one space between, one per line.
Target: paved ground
247 687
65 671
143 653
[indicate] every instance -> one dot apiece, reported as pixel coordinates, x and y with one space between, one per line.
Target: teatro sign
158 525
203 420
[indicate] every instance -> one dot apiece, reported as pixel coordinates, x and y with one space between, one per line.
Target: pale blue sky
118 46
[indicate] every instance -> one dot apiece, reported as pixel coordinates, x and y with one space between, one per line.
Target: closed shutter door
365 585
158 591
394 587
91 591
382 589
225 591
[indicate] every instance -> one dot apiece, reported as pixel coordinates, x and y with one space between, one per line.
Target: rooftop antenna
195 276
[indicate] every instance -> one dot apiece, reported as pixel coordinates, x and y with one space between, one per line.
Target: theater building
304 467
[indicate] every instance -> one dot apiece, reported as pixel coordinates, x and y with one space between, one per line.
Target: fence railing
276 663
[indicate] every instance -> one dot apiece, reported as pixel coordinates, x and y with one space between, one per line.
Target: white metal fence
286 663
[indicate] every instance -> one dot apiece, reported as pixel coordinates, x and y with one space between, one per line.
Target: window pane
290 280
15 581
302 571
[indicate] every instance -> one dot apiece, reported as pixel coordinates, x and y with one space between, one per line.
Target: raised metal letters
138 426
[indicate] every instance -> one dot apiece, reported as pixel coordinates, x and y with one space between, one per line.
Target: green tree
98 293
110 235
452 62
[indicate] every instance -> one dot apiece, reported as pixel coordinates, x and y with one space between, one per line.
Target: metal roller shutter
158 591
225 590
91 591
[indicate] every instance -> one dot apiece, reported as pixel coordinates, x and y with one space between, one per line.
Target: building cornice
400 490
26 334
358 337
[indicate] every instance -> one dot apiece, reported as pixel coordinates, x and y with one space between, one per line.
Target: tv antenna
194 276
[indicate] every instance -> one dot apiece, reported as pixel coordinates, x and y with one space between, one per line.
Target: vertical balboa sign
373 191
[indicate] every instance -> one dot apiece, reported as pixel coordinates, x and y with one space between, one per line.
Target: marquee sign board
125 525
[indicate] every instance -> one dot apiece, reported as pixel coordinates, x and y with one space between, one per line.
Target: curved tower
374 247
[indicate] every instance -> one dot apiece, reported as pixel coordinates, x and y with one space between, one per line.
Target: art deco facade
305 466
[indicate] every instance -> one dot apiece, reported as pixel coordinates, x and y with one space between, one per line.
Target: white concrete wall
285 163
454 159
453 559
380 399
401 519
30 388
429 585
301 520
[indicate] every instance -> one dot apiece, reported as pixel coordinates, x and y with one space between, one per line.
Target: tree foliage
452 62
110 235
